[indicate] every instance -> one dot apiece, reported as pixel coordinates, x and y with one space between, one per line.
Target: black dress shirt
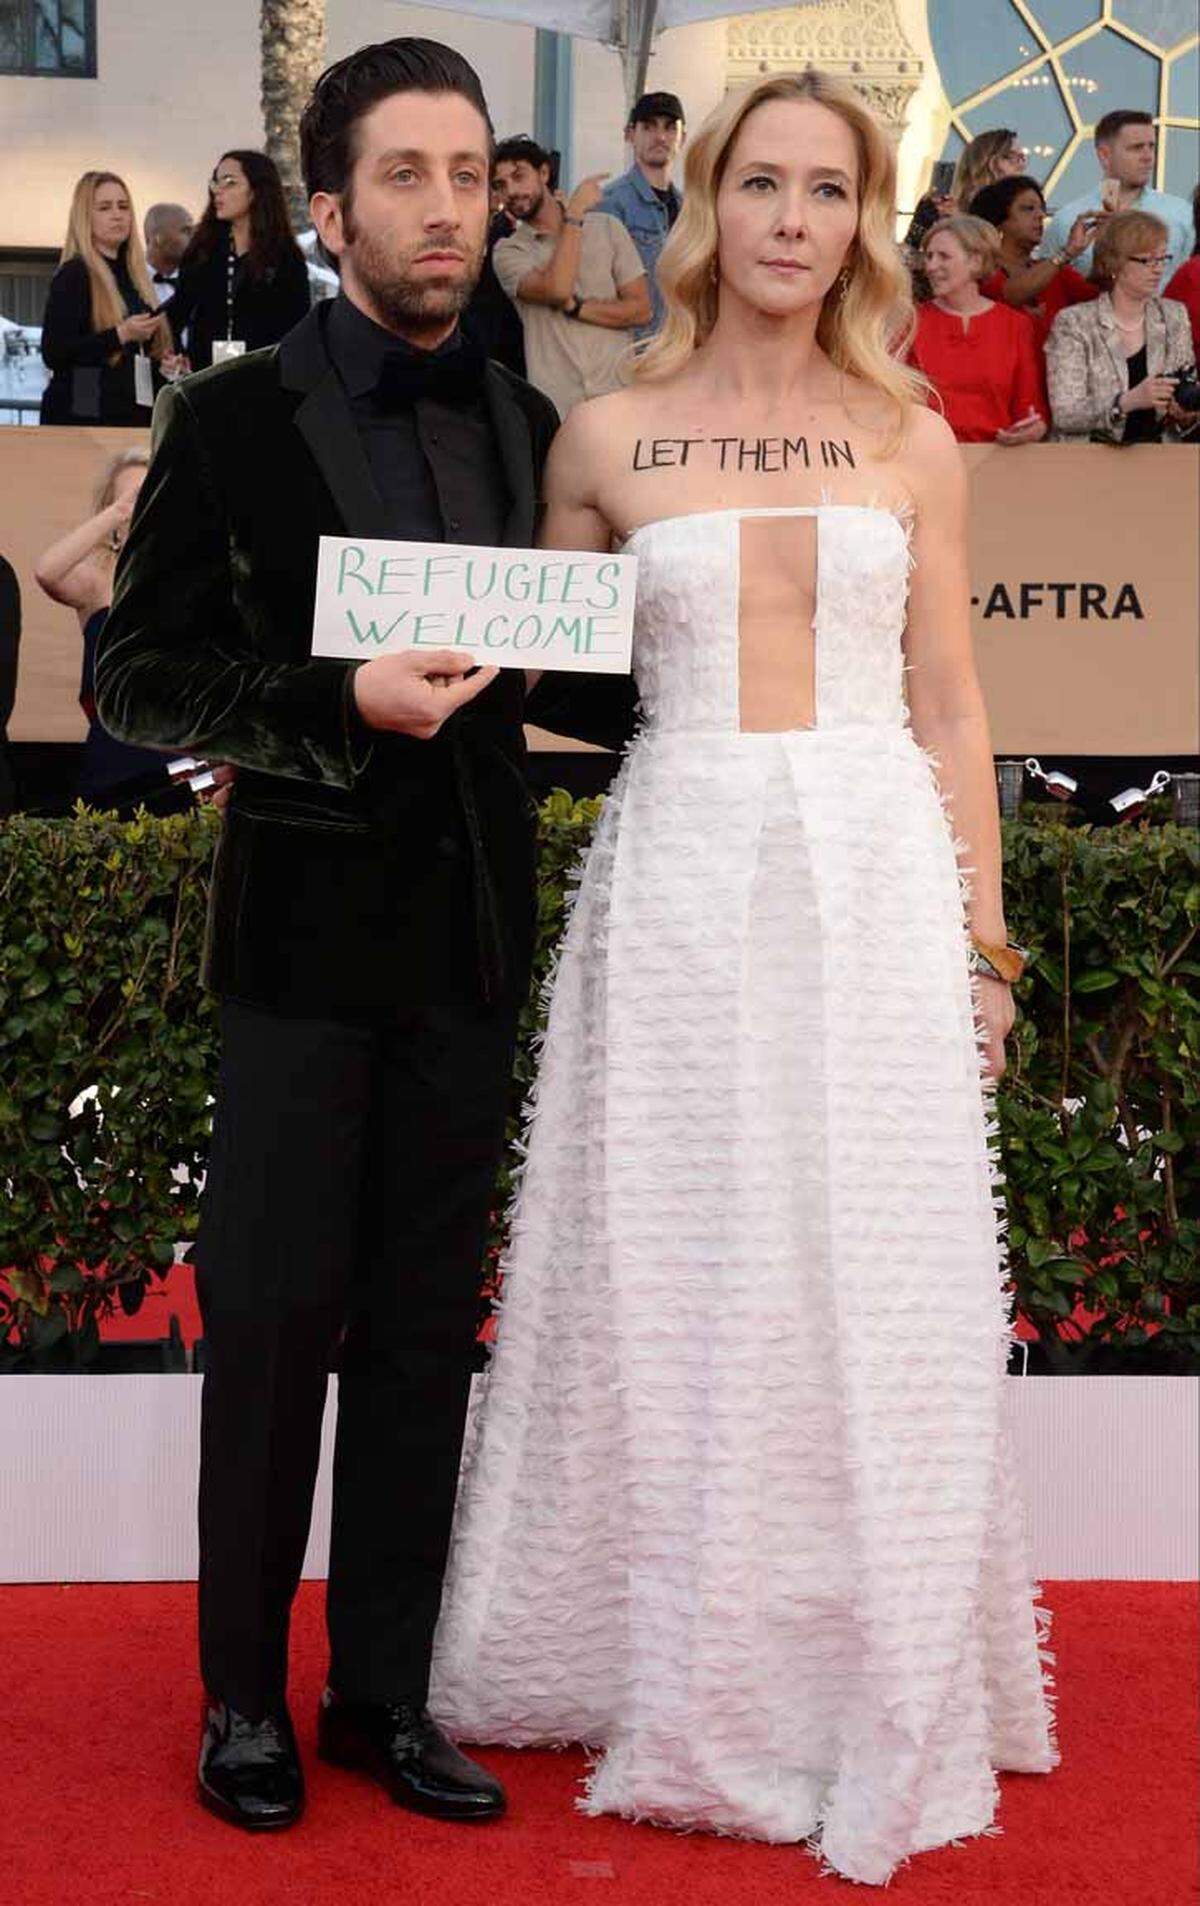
435 463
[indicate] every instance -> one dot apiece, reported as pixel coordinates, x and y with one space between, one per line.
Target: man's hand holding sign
413 694
438 623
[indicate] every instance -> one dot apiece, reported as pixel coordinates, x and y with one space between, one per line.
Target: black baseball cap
657 106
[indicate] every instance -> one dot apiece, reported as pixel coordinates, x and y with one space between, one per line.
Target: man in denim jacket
644 198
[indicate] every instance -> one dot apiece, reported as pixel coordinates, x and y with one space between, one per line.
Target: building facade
157 93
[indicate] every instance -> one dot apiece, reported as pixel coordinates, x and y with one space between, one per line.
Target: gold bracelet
1006 963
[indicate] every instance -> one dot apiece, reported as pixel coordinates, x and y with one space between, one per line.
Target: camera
1187 388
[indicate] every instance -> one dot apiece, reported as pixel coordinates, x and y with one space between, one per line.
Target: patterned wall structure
862 40
1051 68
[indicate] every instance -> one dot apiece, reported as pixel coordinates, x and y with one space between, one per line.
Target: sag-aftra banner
1085 580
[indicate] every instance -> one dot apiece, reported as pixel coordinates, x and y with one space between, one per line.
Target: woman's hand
1153 393
120 510
1082 234
1028 429
995 1012
138 329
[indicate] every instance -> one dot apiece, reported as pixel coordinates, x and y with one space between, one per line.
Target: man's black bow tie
445 377
164 278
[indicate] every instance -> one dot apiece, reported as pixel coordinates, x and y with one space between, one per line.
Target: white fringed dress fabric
738 1511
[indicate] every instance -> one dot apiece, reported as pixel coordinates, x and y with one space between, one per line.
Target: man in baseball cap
644 198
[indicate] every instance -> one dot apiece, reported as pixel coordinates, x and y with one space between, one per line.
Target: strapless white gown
737 1509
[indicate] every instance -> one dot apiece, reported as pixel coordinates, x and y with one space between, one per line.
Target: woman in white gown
738 1511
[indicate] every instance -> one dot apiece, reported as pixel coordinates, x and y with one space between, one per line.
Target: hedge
108 1053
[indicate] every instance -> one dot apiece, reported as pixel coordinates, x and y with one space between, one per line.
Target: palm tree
293 53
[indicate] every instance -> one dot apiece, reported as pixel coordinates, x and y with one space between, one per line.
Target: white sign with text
512 608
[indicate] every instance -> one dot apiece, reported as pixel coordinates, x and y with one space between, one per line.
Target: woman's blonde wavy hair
865 327
977 164
108 306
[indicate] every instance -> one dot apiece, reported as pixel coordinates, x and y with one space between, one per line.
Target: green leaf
1095 980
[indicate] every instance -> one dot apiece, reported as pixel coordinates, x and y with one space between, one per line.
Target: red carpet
96 1759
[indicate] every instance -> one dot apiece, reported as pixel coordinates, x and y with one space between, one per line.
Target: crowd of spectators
1099 351
1077 322
130 308
1031 321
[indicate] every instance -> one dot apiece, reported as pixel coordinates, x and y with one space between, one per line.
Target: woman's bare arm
945 700
77 569
571 518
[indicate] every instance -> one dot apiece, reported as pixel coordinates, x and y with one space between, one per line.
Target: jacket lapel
1156 338
1112 339
325 422
516 455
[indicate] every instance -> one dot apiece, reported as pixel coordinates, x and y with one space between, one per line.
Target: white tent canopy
627 25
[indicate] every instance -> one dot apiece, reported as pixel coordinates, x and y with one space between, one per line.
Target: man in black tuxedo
370 928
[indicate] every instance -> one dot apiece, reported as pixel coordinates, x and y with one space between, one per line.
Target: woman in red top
1041 287
981 358
1185 285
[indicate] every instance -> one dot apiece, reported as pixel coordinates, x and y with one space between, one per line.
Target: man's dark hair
1113 123
995 201
348 90
520 146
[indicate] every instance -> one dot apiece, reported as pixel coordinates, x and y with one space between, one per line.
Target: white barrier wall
98 1479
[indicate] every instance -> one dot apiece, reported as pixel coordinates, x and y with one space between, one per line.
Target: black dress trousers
350 1185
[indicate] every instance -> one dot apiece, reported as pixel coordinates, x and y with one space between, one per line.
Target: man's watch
991 961
572 307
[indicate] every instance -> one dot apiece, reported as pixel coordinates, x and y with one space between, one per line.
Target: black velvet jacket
353 867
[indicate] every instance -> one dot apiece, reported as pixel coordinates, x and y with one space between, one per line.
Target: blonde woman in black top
101 314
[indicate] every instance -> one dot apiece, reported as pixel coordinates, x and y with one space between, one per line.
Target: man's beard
410 304
531 210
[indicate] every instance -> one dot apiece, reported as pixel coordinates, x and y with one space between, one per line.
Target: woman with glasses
243 282
1112 366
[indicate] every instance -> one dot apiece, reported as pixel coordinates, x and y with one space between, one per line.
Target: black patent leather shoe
250 1771
406 1751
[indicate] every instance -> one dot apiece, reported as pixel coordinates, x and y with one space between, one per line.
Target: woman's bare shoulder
596 437
930 463
928 444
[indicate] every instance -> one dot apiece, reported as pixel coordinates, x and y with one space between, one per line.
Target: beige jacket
1086 369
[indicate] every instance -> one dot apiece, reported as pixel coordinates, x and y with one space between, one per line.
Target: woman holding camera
1113 366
